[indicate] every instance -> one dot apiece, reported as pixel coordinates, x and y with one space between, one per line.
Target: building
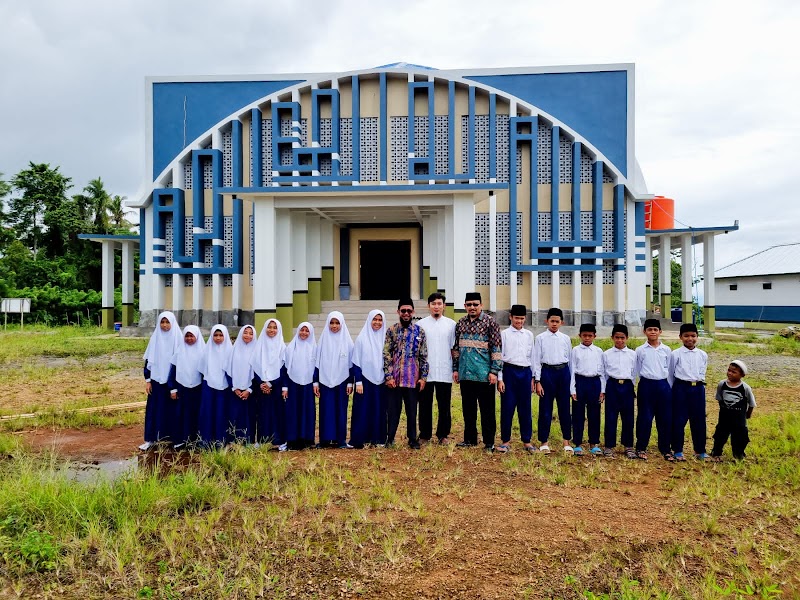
269 194
762 288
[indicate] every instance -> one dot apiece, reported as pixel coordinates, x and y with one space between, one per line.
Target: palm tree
117 210
98 200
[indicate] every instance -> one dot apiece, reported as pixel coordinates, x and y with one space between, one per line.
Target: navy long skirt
300 416
188 402
368 419
238 419
213 418
271 422
157 422
333 415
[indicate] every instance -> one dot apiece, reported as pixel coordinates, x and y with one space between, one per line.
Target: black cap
405 302
519 310
619 328
555 312
688 327
587 327
472 296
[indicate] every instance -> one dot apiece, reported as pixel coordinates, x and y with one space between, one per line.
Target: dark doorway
385 268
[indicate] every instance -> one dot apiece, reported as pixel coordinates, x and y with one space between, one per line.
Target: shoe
702 456
569 450
577 451
380 445
146 446
596 451
464 445
679 457
630 453
503 448
544 449
423 441
413 445
489 449
444 441
345 446
256 445
283 447
608 453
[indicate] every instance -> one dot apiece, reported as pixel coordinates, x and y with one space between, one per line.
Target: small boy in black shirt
736 404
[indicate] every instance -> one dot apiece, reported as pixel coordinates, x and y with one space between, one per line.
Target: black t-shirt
735 398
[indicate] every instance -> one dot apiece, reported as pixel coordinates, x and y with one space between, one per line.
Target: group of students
671 392
260 389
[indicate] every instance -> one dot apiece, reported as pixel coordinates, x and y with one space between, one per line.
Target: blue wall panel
770 314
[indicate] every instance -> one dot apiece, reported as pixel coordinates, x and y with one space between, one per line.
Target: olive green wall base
686 312
327 292
127 315
315 296
285 315
108 317
299 307
261 317
666 305
450 311
709 318
648 297
426 282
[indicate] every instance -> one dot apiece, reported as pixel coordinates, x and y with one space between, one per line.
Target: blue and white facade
519 183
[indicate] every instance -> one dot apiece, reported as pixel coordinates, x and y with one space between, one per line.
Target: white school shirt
517 348
588 362
550 349
441 337
652 362
688 365
619 364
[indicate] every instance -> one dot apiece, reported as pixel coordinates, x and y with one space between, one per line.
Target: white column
236 291
577 296
177 292
709 295
282 252
441 252
599 307
535 292
492 252
298 256
687 267
178 176
449 241
107 280
619 287
313 247
198 293
555 286
664 272
147 281
127 272
264 224
216 292
326 244
648 274
464 260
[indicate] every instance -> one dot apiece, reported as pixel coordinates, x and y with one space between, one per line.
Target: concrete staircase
355 313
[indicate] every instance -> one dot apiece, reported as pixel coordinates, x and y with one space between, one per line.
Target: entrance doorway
385 269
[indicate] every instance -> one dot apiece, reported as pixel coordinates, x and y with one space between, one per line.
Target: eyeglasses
406 311
471 304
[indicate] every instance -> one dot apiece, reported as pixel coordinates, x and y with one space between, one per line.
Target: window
766 286
734 287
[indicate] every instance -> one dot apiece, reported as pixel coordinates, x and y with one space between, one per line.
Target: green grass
77 343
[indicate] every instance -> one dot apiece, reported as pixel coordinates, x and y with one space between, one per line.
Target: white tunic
688 365
619 364
517 348
441 337
586 361
550 349
652 362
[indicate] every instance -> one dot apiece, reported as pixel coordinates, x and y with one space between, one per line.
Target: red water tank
659 213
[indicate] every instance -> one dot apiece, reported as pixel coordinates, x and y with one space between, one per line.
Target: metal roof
776 260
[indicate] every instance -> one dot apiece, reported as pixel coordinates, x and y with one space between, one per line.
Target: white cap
741 365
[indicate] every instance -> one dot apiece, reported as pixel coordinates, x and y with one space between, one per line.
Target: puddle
100 471
161 463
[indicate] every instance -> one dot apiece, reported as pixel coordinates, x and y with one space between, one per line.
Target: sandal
568 450
577 451
531 449
716 459
679 457
630 453
669 457
544 449
503 448
641 455
596 451
608 453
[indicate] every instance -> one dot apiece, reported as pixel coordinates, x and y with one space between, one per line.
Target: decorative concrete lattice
227 159
608 272
398 142
565 277
252 248
545 277
346 146
169 238
564 159
441 141
465 144
482 268
608 177
608 231
266 152
325 141
502 150
482 148
368 144
586 167
287 157
187 173
587 277
544 227
208 173
421 137
564 226
544 150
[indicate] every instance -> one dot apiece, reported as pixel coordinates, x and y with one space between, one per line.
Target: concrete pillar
128 249
492 251
283 271
177 294
648 275
463 263
687 264
709 294
298 258
328 284
599 307
619 287
665 275
313 265
441 252
449 257
577 298
265 272
107 280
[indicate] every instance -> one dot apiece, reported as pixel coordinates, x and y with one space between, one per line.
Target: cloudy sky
717 86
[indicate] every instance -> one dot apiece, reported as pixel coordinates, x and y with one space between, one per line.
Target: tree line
41 256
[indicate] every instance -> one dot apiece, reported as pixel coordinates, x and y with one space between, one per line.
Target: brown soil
87 445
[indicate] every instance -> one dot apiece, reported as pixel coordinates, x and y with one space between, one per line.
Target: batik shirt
405 355
478 350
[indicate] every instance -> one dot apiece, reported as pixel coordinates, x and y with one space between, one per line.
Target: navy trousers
654 400
517 397
555 383
688 404
619 406
731 423
586 408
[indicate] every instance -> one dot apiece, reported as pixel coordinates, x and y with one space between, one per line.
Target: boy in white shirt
551 352
654 399
515 381
619 367
587 388
687 373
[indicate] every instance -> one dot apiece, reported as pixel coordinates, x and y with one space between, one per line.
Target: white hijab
216 358
161 347
239 367
187 359
368 350
269 354
334 352
300 355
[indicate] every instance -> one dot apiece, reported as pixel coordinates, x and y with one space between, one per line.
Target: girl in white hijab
164 341
184 384
240 371
216 388
298 390
368 419
333 381
267 414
